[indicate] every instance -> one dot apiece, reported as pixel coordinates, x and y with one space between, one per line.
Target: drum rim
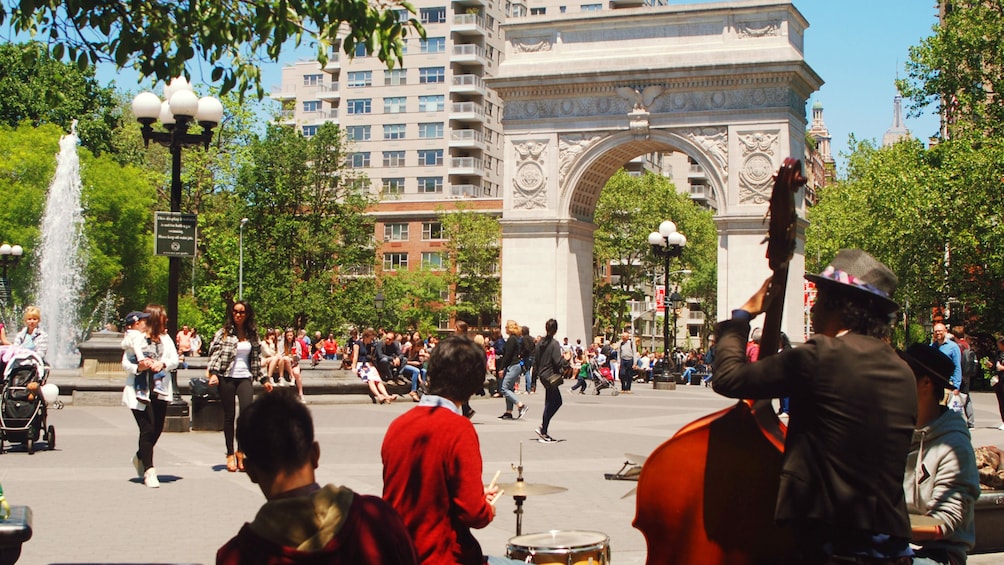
603 541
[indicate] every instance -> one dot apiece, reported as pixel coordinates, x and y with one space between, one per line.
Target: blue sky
856 46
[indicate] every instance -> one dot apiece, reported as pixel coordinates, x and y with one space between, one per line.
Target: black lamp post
666 244
9 257
177 112
378 304
677 302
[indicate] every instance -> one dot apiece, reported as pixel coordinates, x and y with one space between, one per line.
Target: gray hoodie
942 481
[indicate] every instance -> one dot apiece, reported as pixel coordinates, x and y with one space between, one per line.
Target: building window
393 131
431 75
395 105
360 106
402 16
309 131
313 80
432 231
430 185
359 79
395 232
432 15
433 260
433 103
357 133
360 160
395 77
393 158
393 186
591 7
360 50
395 261
430 130
430 157
311 105
538 11
434 45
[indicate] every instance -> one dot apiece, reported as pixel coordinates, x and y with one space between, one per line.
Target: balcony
466 166
468 54
466 191
467 111
286 117
696 172
469 25
283 92
320 116
329 92
467 138
471 3
468 84
334 64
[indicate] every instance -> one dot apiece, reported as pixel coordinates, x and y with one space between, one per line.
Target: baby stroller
602 378
23 414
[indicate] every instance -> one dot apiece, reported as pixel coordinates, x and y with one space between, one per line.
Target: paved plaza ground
89 506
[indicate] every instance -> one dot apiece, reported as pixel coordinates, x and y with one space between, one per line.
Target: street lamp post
666 244
177 112
378 305
9 257
240 282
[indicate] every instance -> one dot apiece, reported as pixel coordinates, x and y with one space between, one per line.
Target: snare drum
561 547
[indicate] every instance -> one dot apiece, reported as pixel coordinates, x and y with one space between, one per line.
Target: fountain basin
101 355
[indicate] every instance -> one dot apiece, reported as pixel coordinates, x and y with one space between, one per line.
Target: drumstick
491 485
498 495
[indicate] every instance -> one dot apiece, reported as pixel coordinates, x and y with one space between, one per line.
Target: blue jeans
627 373
414 374
508 386
528 375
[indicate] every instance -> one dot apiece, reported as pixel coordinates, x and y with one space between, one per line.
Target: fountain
59 279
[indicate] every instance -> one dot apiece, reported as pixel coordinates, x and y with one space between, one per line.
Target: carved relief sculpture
715 142
529 180
569 147
747 30
535 44
756 175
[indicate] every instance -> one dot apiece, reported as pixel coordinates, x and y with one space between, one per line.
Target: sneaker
138 465
150 478
523 411
1001 427
543 437
471 414
160 388
506 416
143 396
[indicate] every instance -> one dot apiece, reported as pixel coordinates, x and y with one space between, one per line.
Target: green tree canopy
38 89
628 210
159 38
473 245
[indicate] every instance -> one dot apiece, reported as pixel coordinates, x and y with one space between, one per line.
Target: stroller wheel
29 444
50 437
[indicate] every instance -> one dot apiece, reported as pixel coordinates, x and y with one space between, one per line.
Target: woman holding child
234 362
162 357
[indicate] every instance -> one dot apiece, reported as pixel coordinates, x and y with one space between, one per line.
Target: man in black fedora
853 404
941 480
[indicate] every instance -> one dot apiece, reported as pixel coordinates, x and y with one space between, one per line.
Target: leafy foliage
38 89
160 37
628 210
933 216
306 221
960 66
473 245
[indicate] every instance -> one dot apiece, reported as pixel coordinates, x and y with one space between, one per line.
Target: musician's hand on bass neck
760 300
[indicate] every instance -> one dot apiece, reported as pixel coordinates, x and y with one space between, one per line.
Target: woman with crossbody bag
549 367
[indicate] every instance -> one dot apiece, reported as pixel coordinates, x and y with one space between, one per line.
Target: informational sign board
176 234
660 298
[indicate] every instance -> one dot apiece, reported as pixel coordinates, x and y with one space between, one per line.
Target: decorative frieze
753 30
714 141
532 44
569 147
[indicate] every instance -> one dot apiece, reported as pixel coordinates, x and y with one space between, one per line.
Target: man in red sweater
303 522
432 462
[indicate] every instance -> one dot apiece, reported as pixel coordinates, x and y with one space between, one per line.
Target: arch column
547 266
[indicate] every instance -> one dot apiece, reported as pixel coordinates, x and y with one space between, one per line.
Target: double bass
707 495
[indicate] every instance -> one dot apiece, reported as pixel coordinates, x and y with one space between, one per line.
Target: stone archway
585 93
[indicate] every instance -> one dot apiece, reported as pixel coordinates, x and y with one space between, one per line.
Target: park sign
175 234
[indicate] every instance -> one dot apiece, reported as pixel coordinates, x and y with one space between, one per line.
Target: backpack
970 368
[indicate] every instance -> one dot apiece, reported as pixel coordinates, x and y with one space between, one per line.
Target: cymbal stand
519 499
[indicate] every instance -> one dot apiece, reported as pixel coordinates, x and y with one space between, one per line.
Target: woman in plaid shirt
234 363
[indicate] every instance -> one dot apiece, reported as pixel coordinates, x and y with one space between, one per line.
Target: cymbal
523 488
924 521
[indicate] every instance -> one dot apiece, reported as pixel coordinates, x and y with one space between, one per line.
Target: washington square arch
584 93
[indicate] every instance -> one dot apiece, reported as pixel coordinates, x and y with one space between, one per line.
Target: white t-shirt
242 361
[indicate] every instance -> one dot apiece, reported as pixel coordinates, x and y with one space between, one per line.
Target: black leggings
151 423
552 401
999 391
229 389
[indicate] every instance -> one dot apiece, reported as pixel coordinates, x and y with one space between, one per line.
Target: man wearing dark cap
941 480
852 412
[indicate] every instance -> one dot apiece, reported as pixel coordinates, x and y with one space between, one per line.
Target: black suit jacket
852 414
